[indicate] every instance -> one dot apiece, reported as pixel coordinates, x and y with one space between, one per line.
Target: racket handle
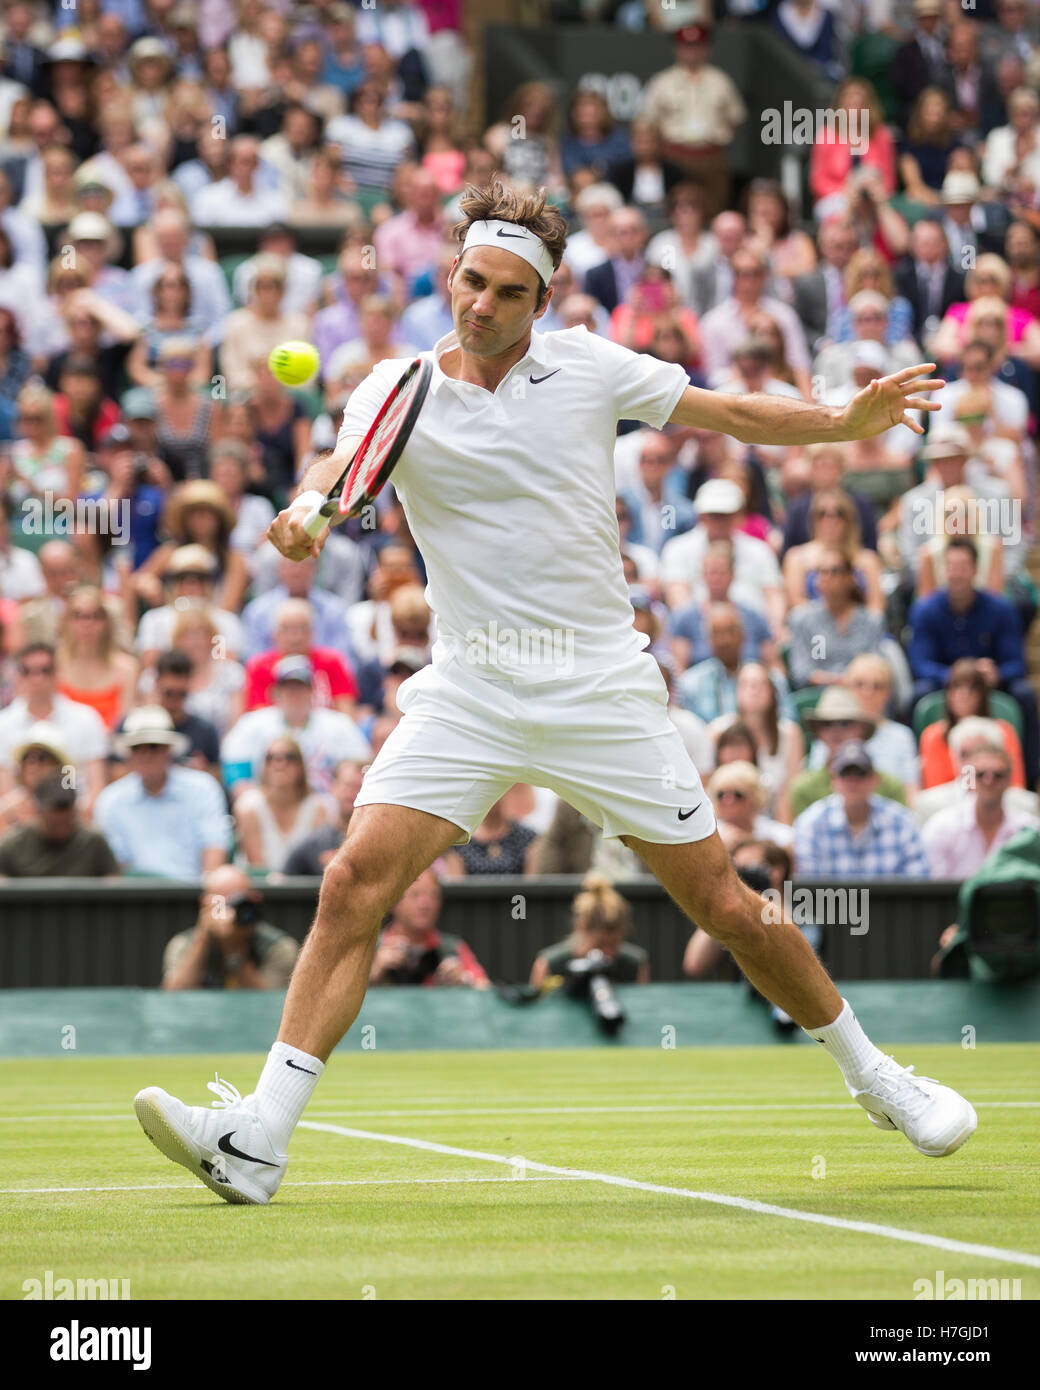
315 522
310 504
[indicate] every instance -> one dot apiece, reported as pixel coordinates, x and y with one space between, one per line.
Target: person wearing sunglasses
961 838
162 819
833 521
740 799
841 715
855 832
829 631
79 729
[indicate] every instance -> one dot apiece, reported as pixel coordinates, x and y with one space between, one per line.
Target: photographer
230 945
411 951
602 919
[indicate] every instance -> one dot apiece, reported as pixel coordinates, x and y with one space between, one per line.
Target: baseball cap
413 658
692 33
719 496
116 437
944 443
927 7
294 668
868 354
191 559
850 755
89 226
138 404
960 186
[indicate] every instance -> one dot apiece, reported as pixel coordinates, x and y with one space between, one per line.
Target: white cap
719 497
960 186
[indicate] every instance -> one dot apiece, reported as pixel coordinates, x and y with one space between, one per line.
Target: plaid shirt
889 845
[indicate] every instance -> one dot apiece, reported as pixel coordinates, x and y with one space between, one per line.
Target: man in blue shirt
162 819
962 621
854 832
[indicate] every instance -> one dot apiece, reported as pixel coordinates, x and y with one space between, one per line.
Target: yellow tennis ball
294 363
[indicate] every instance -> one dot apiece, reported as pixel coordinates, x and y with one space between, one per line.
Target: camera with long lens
588 977
247 911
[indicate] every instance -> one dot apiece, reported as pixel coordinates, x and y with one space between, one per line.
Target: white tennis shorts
602 742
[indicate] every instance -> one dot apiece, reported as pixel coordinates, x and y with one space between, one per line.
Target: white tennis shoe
935 1119
224 1145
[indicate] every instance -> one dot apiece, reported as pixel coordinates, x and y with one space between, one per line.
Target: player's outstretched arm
760 419
286 532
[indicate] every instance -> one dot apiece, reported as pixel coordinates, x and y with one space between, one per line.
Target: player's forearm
759 419
323 471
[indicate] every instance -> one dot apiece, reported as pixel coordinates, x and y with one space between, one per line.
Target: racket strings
366 475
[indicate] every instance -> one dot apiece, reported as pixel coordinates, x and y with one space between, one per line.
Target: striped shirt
888 846
370 156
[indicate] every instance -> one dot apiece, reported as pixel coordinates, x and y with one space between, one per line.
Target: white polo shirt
510 498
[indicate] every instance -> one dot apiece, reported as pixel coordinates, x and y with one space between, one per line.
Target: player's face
494 300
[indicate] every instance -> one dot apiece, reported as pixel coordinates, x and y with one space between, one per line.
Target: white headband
508 236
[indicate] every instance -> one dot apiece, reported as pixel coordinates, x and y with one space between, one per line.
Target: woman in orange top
90 667
966 694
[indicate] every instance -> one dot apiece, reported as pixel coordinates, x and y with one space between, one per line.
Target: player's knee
353 898
733 915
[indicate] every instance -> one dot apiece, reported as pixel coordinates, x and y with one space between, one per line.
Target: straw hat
200 492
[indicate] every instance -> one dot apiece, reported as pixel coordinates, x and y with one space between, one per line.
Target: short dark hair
532 211
53 794
979 345
32 647
963 543
737 733
173 663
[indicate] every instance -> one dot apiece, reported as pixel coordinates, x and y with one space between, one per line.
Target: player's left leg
781 965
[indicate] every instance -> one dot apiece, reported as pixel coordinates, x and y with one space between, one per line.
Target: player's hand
888 400
287 535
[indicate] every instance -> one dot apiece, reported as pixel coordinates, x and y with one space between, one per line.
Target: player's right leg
237 1146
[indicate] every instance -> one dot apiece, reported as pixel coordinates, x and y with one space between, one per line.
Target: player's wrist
307 501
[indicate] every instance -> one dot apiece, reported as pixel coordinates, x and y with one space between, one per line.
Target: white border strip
957 1247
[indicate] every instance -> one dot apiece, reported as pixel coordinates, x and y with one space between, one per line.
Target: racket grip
315 522
310 504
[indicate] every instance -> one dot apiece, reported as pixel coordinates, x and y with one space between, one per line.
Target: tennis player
538 676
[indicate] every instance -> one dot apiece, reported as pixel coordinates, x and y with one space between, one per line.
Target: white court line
315 1182
542 1110
957 1247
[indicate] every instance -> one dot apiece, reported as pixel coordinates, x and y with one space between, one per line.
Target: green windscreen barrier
115 1022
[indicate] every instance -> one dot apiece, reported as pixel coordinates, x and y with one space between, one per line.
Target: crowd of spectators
841 628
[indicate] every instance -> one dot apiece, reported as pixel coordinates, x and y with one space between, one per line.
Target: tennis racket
367 473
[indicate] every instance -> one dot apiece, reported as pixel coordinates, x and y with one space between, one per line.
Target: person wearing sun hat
838 716
161 818
188 581
39 754
198 513
53 843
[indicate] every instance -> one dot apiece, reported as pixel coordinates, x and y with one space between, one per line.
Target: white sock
850 1047
284 1089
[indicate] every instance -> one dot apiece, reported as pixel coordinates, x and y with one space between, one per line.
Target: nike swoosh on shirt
225 1145
685 815
535 380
